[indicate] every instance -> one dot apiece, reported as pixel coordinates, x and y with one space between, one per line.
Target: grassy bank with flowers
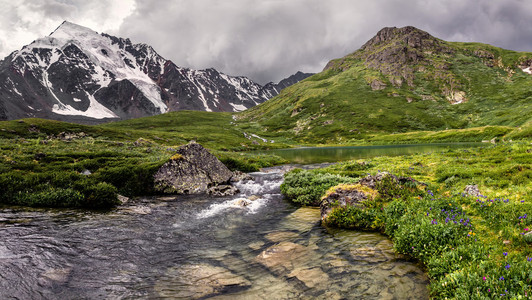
472 246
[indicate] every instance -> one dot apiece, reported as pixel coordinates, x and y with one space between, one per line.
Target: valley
458 216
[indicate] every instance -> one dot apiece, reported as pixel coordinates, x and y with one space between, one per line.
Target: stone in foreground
192 170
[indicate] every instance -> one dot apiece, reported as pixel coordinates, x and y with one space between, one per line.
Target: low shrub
100 196
306 187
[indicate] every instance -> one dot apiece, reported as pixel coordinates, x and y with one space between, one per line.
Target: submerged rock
192 170
198 282
242 202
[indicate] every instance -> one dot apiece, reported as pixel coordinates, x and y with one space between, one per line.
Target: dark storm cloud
267 40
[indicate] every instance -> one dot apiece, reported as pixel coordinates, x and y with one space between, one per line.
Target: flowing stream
253 245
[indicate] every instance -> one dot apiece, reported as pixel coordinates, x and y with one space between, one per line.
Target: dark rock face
293 79
192 170
404 47
400 53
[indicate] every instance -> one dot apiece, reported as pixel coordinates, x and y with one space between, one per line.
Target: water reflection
312 155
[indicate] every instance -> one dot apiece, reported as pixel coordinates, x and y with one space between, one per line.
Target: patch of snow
190 77
238 107
527 70
256 136
76 100
95 110
31 107
94 46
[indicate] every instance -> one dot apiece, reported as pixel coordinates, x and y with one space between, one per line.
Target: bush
306 187
354 217
100 196
130 180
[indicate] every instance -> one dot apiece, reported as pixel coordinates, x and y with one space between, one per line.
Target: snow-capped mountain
76 74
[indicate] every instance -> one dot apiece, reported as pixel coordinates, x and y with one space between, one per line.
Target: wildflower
501 279
529 259
507 266
505 253
484 278
434 222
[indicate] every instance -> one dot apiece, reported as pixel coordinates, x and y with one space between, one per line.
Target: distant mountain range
76 74
403 79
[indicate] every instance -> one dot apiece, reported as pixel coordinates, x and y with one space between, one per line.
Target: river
198 247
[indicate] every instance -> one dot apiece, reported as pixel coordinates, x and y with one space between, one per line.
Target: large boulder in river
192 170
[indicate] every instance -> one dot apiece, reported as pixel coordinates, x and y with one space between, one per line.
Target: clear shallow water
196 247
313 155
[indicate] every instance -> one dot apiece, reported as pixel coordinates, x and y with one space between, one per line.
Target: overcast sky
267 40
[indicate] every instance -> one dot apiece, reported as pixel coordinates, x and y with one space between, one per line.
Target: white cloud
24 21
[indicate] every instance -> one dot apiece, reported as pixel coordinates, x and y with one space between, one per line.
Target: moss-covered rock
194 172
344 195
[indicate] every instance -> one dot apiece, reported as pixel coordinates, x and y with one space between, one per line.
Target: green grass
461 240
338 105
37 168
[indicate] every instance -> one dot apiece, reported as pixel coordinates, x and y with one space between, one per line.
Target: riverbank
472 246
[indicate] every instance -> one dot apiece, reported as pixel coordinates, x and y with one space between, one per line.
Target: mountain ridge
76 74
402 80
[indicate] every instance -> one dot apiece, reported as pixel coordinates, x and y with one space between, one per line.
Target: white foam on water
258 188
217 208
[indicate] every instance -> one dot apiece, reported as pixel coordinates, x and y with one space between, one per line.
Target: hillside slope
402 80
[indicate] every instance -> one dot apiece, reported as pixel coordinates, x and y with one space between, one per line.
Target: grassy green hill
400 81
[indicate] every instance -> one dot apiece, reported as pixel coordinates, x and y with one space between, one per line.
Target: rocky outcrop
344 195
192 170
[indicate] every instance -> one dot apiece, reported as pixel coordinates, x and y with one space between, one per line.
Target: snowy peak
77 74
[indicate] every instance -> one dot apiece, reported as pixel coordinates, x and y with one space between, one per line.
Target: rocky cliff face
400 53
76 74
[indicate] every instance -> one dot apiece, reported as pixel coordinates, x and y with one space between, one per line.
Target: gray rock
371 181
472 190
192 170
344 195
241 176
223 190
